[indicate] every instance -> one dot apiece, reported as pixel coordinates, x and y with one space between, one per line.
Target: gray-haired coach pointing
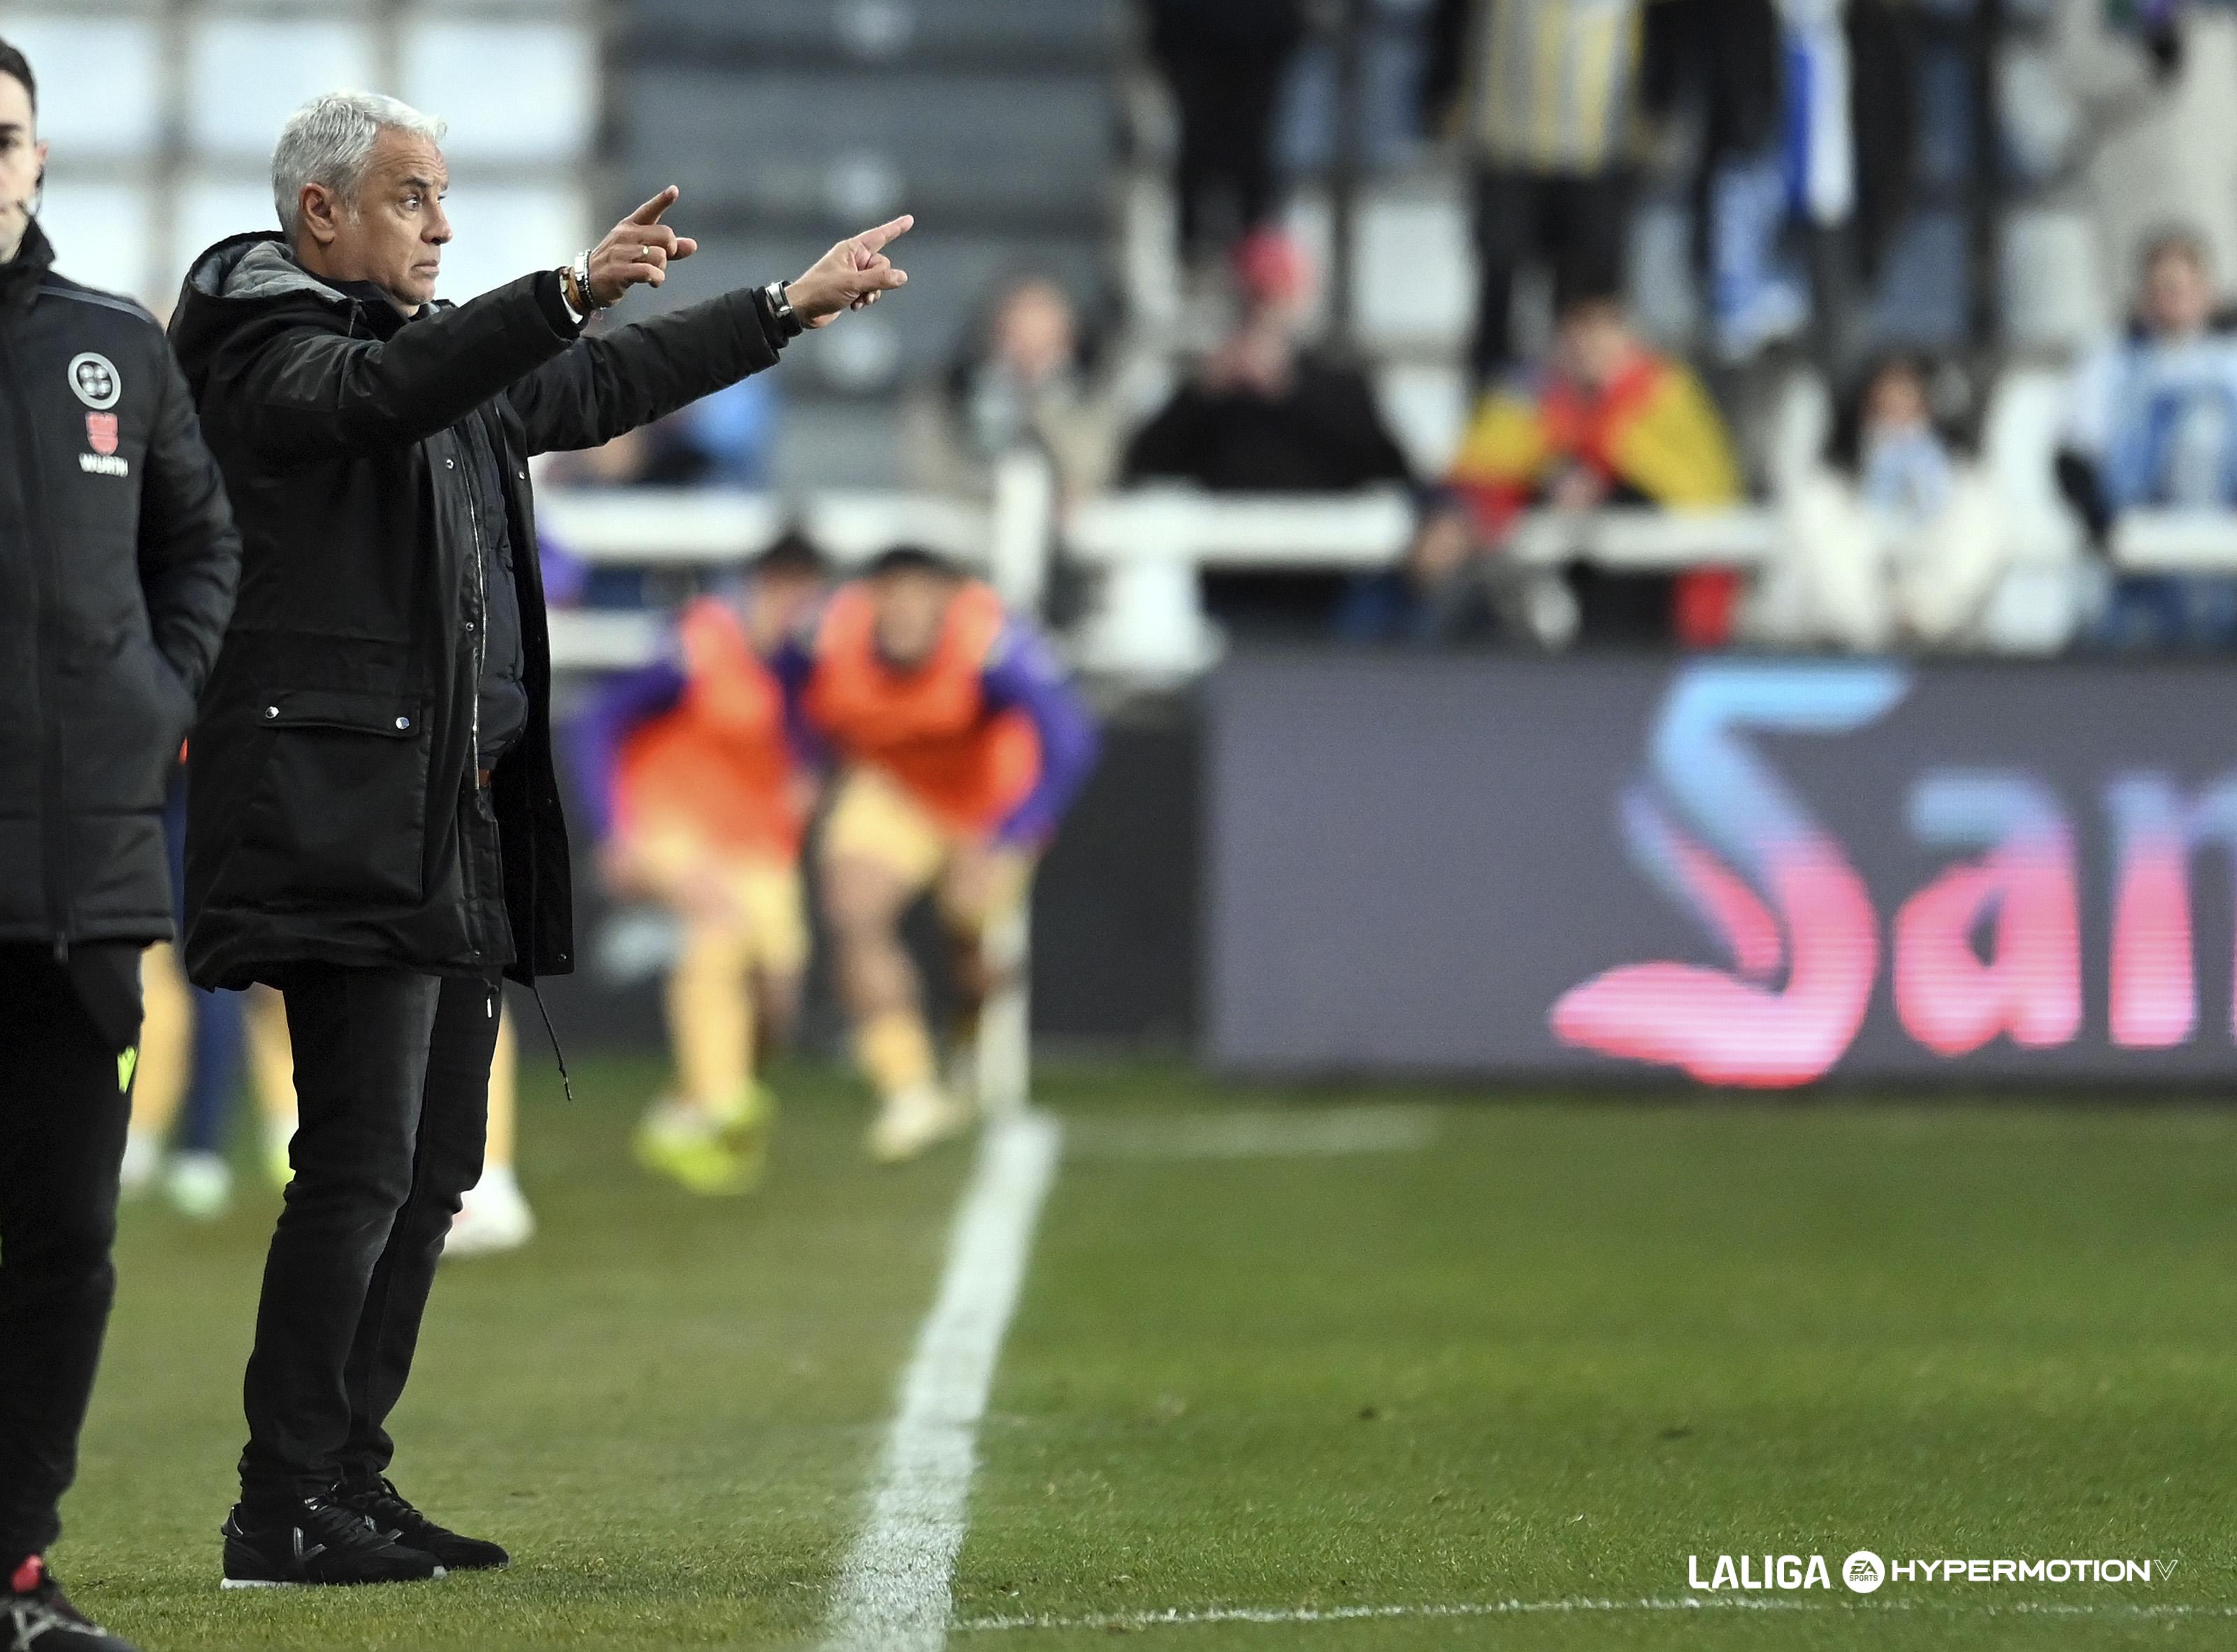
373 823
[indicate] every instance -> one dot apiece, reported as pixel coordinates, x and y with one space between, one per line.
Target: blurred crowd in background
1940 281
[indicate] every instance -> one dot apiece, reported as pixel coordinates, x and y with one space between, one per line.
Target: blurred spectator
1225 61
2153 81
1606 422
1546 96
1023 381
1263 413
728 439
1812 122
1392 49
2153 423
1895 540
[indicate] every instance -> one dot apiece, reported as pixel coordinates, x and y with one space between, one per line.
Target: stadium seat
545 107
101 80
247 75
926 143
213 205
103 233
916 33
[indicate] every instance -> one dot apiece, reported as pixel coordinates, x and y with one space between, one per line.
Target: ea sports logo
1864 1572
96 380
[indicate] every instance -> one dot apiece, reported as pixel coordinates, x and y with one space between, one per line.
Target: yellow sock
710 1019
895 1050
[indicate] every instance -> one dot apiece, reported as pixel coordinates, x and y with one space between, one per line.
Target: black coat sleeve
611 383
307 389
189 548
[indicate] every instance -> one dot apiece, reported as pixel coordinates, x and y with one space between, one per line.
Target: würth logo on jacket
103 461
101 435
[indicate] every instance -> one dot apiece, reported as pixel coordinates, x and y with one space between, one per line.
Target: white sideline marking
1133 1620
895 1591
1268 1134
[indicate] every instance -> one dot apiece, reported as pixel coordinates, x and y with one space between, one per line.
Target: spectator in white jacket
1894 540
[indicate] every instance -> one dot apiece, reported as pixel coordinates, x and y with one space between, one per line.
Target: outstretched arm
607 385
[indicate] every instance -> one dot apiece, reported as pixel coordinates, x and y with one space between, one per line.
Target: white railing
2177 542
1150 545
1147 547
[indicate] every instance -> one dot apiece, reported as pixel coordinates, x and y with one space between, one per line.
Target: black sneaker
397 1520
41 1619
317 1542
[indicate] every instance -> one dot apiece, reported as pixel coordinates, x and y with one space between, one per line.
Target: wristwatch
779 307
571 296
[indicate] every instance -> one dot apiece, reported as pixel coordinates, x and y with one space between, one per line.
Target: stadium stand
941 101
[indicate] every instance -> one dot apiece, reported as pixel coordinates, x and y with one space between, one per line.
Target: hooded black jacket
331 810
117 561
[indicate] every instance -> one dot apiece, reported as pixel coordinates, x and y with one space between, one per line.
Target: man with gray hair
373 820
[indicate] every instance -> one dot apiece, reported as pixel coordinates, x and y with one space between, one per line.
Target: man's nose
439 227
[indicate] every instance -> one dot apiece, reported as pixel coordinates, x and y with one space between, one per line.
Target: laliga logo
1863 1572
1777 891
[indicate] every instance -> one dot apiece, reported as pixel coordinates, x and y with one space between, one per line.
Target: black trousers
1578 225
65 1099
392 1088
1226 97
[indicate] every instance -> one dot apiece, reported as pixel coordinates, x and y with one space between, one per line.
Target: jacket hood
239 280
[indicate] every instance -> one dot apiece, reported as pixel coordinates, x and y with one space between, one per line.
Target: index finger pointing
873 238
649 213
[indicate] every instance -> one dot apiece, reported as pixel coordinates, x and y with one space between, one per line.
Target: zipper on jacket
481 617
46 662
480 651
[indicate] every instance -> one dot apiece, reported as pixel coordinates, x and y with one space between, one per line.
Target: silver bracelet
583 281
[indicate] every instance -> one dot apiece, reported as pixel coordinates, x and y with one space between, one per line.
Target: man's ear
318 209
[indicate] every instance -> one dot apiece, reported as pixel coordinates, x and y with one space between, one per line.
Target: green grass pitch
1540 1357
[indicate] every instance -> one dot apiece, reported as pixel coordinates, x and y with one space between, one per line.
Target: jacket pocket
121 713
174 705
338 815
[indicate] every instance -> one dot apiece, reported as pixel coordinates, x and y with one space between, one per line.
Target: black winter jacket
117 561
331 808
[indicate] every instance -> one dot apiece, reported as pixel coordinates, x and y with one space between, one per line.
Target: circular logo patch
1864 1571
96 380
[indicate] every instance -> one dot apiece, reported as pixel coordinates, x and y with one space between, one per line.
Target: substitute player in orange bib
962 743
700 798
